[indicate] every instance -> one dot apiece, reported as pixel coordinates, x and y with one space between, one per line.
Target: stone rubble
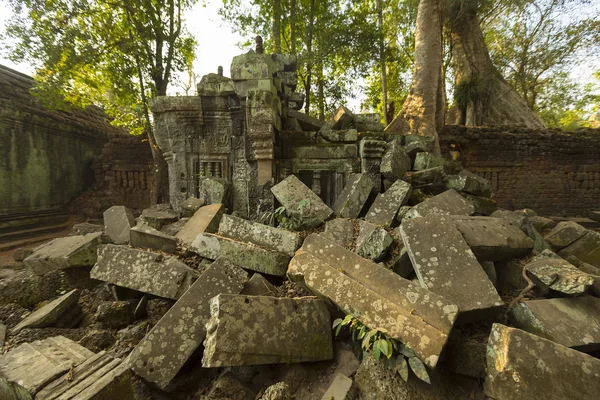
118 220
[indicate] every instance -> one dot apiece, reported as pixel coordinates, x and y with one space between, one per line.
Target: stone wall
553 172
45 156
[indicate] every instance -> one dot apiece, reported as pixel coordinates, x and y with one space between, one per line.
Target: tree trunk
321 92
423 111
293 26
482 95
382 60
309 39
277 26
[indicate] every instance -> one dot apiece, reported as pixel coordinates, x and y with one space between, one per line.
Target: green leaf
347 319
366 343
390 348
419 369
336 322
382 345
376 351
338 329
402 367
407 352
362 333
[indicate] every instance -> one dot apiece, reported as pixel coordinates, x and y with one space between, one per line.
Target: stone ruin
245 133
199 300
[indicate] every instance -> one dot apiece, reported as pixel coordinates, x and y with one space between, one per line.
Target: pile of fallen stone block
204 304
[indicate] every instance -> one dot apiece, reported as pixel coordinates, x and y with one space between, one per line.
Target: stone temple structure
243 134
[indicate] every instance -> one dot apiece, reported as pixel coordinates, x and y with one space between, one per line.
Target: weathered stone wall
552 172
45 157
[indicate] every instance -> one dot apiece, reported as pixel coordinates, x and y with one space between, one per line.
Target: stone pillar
371 151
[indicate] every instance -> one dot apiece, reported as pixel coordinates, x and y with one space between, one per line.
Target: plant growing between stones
291 221
394 355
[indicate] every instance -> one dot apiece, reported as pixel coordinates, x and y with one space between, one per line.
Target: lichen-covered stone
468 182
573 321
257 285
99 377
250 330
302 202
259 234
372 241
446 265
430 307
446 203
26 369
144 271
426 160
514 218
586 249
354 196
558 274
386 205
427 177
215 191
164 350
482 205
65 252
342 118
205 220
27 289
117 222
395 162
146 237
493 239
159 215
51 313
522 366
370 308
190 206
338 136
245 255
340 231
563 234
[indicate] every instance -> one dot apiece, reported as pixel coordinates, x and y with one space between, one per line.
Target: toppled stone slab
468 182
99 377
558 274
372 241
340 389
386 205
563 234
522 366
307 122
493 239
259 286
343 136
164 350
215 190
259 234
83 229
427 177
63 253
586 249
266 330
301 202
395 163
354 196
342 118
426 160
517 219
190 206
159 215
445 264
118 220
446 203
51 313
594 215
29 367
371 308
482 205
143 271
573 321
340 231
245 255
430 307
205 220
146 237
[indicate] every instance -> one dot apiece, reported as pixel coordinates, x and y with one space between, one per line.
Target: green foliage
289 220
393 354
115 54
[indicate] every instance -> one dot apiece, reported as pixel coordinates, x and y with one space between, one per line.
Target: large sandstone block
259 234
340 231
373 241
371 308
165 349
144 271
557 274
51 313
250 330
355 194
63 253
118 220
301 202
522 366
572 321
386 205
586 249
245 255
146 237
430 307
26 369
395 162
205 220
98 377
446 203
493 239
563 234
445 264
468 182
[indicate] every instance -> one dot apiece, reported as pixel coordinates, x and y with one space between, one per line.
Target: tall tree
482 95
114 53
